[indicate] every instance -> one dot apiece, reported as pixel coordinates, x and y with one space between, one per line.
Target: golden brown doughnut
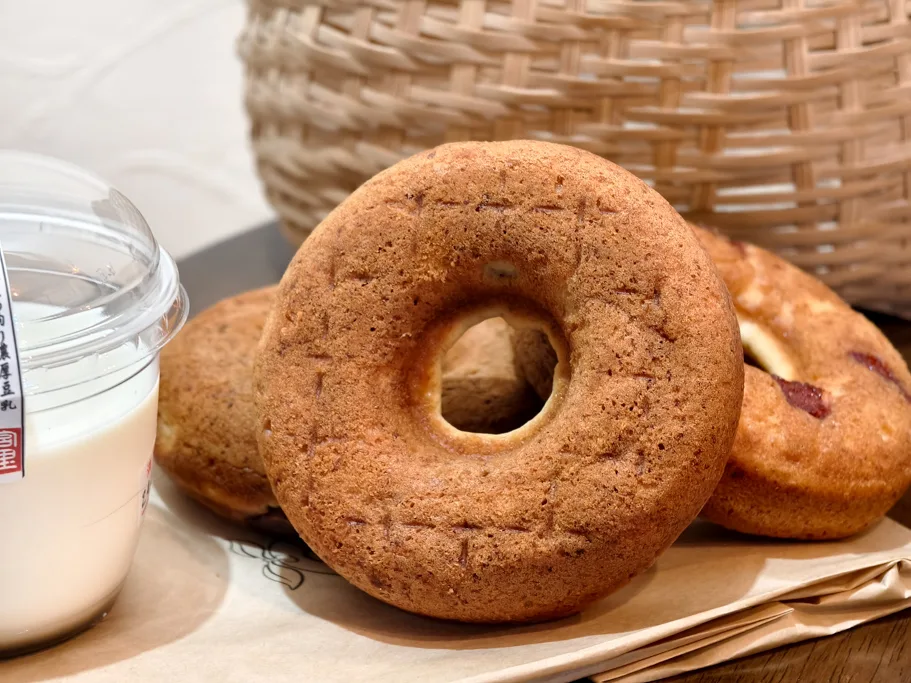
206 438
539 522
823 448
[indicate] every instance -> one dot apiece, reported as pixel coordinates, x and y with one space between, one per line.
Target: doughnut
538 522
206 440
823 447
483 390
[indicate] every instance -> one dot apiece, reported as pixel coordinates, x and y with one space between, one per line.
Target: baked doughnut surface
539 522
823 448
206 438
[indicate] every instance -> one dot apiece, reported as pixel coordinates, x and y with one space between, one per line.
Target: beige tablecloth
206 602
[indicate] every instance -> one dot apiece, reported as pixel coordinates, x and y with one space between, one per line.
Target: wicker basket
783 122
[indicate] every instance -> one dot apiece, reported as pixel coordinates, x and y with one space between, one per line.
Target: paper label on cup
12 398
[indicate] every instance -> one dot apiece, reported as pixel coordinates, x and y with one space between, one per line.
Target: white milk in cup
93 299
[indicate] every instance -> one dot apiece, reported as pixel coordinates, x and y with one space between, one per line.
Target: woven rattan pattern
783 122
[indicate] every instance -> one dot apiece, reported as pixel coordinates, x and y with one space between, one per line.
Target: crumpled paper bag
208 602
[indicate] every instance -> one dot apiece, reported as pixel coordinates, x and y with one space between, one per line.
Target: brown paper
207 602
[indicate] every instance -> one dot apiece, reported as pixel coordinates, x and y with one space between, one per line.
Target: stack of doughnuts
377 404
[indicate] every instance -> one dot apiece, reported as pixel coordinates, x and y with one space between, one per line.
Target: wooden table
878 651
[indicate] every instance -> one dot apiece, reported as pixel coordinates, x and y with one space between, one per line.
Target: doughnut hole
481 389
475 390
762 350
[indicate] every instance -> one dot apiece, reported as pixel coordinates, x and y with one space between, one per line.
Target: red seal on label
11 451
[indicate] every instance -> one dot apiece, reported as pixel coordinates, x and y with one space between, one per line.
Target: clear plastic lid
86 274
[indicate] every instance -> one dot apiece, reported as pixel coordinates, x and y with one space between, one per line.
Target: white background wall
145 93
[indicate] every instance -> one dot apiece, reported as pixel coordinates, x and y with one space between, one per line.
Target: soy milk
68 530
94 300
